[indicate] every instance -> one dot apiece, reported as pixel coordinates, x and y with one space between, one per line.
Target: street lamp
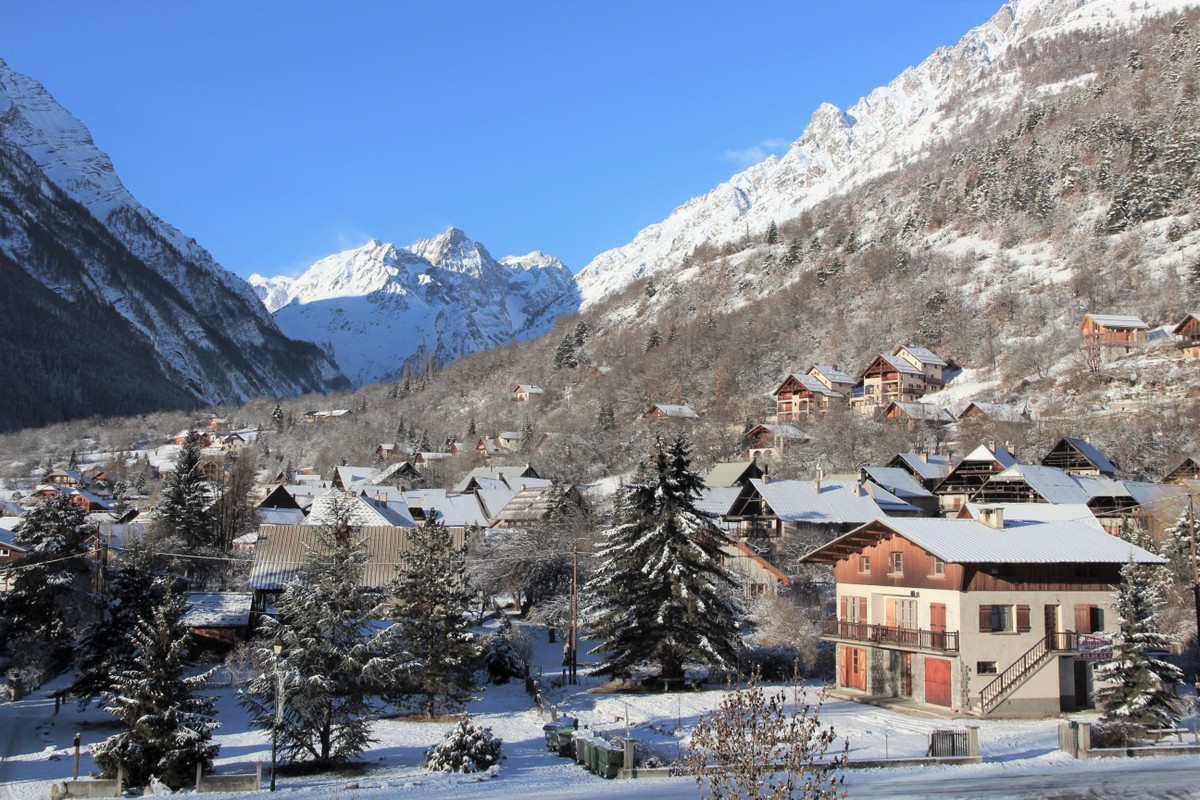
278 648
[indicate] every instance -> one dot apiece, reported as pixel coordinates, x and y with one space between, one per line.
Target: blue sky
276 133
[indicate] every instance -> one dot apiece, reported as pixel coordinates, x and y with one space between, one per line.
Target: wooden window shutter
1083 619
844 606
862 609
1023 619
985 619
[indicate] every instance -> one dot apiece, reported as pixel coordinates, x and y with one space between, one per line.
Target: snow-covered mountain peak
454 251
537 260
841 149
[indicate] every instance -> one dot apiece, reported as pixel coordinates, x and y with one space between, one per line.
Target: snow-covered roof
833 503
930 466
1000 455
922 354
899 364
899 482
831 372
924 412
999 412
1018 514
451 509
810 383
727 473
1054 485
961 541
1118 321
1088 451
360 511
716 501
217 609
677 411
528 388
281 516
784 431
348 476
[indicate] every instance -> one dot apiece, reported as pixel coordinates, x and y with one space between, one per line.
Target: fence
247 782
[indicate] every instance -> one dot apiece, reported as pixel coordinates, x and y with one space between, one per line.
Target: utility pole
575 610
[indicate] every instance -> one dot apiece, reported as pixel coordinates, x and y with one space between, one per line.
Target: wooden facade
890 379
1112 336
1187 336
800 397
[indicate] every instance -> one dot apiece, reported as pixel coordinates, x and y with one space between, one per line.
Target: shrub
467 748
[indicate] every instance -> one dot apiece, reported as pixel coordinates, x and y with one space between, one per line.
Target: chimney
766 477
925 456
992 516
817 481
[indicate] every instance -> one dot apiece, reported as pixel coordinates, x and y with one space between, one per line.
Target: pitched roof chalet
960 541
831 503
923 412
1118 321
930 467
831 372
922 354
810 383
677 411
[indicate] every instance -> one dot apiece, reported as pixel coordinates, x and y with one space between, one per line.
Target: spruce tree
45 601
564 355
1137 695
168 728
429 646
182 520
132 592
325 662
663 598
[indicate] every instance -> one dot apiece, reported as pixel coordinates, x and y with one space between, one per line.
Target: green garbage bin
552 731
610 758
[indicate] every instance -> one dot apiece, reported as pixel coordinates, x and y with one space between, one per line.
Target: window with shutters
864 565
1004 619
1089 619
854 609
896 563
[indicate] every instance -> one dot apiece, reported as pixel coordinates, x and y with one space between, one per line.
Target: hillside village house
1078 457
831 377
524 391
971 616
969 475
769 441
928 468
1187 335
665 411
1110 336
1188 470
801 397
980 412
917 414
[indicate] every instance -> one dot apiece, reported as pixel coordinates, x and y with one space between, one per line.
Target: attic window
939 568
896 563
864 565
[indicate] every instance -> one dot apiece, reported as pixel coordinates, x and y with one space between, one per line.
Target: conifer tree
132 591
182 520
324 665
663 597
1137 695
564 355
48 586
168 728
429 646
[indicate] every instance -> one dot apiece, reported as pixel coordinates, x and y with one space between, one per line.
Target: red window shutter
843 616
862 609
1022 619
1083 619
985 619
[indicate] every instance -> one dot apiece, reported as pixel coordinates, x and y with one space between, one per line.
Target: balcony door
937 625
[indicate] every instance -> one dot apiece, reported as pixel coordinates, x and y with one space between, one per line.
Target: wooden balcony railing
945 641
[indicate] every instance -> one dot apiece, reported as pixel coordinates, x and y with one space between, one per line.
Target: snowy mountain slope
379 307
73 228
889 128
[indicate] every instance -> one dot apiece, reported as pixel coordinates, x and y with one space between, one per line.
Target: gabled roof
1020 514
922 412
451 509
1087 451
716 501
348 476
497 472
1053 485
897 363
922 354
529 388
280 516
732 473
400 467
810 383
930 467
360 512
1000 412
782 431
676 411
960 541
899 482
831 372
1117 321
832 504
1183 323
1000 455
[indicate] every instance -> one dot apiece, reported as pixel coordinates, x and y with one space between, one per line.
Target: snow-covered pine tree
429 645
182 521
325 664
132 591
662 596
1137 695
48 586
564 356
168 727
1177 545
467 748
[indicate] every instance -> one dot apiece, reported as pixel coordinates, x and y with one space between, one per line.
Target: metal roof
1054 485
217 609
959 541
1117 321
1088 451
716 501
922 354
811 384
936 467
899 364
1018 514
1000 412
375 510
831 504
926 412
1000 455
683 412
899 482
727 473
831 372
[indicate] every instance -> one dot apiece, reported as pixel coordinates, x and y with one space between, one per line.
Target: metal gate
945 744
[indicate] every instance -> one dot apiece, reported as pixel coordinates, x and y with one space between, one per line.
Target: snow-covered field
37 750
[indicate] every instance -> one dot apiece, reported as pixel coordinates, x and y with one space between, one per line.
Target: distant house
831 377
213 470
917 413
1109 336
663 411
756 576
980 412
928 468
1078 457
233 443
732 473
325 415
202 438
1187 335
969 475
802 397
888 379
64 477
903 484
10 553
524 391
345 477
1188 470
769 441
515 475
389 452
487 447
220 619
924 359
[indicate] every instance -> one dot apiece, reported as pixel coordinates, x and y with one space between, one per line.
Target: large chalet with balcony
974 616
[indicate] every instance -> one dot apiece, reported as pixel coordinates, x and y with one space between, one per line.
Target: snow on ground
37 746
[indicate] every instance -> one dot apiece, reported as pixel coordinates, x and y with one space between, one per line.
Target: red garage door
937 681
